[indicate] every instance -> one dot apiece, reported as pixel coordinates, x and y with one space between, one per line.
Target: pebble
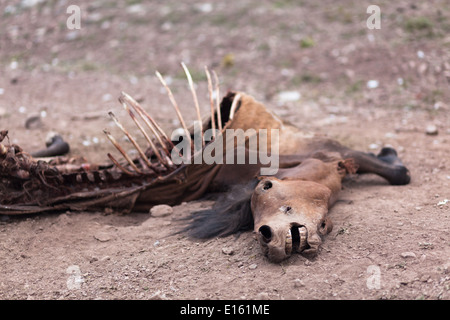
107 97
158 295
262 296
228 251
102 237
408 254
136 9
298 283
204 7
431 130
253 266
33 122
373 146
288 96
161 210
372 84
72 35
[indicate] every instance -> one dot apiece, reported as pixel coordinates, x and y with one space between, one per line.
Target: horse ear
348 166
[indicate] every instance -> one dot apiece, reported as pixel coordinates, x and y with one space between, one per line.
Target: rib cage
31 186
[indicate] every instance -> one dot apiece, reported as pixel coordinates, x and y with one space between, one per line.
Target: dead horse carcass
288 210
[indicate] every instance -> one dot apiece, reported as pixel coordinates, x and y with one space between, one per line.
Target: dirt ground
315 63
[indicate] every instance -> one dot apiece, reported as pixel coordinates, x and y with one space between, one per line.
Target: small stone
158 295
425 278
204 7
288 96
262 296
161 210
298 283
372 84
431 130
408 254
253 266
72 35
107 97
33 122
102 237
136 9
228 251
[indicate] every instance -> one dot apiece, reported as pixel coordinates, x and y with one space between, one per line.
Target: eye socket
267 185
286 209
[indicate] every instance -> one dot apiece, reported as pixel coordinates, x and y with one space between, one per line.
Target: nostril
266 233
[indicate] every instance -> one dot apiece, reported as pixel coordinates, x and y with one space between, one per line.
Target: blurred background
315 63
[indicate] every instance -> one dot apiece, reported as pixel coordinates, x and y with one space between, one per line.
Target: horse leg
386 164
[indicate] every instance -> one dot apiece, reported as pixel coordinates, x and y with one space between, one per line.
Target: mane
230 214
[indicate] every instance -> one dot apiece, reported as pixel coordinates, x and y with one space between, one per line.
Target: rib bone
152 145
120 149
132 140
174 104
219 116
211 100
234 105
118 165
154 127
194 96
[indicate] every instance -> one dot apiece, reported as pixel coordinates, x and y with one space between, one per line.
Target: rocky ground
313 63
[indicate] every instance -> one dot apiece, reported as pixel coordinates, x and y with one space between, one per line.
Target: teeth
303 232
288 247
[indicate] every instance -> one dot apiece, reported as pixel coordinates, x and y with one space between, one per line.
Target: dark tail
230 214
